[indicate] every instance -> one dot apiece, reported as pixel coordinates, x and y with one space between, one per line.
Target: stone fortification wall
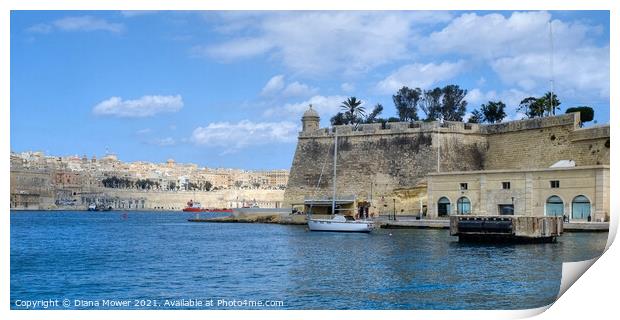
539 143
396 157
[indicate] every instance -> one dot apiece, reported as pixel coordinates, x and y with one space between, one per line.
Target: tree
172 185
532 107
353 111
338 119
493 111
550 103
406 101
372 117
453 103
431 104
586 114
476 117
540 107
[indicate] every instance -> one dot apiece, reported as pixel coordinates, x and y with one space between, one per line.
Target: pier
506 228
412 223
256 215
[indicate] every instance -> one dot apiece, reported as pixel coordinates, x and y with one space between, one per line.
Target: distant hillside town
40 181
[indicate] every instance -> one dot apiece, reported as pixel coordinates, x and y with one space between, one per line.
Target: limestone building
579 193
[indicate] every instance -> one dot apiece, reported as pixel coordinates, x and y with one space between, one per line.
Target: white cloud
475 97
518 48
146 106
164 142
235 49
322 42
136 13
581 72
494 35
347 87
144 131
87 23
40 28
235 136
275 84
326 106
298 89
420 75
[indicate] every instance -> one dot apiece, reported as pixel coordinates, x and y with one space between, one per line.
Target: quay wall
125 199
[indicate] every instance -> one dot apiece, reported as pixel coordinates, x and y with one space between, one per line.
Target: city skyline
227 89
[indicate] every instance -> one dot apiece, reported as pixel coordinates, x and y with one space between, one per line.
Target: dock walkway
412 223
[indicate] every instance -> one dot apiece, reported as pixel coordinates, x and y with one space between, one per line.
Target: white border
594 295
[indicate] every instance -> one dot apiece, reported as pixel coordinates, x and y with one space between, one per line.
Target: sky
228 88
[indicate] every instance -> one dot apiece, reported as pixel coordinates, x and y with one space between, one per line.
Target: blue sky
227 89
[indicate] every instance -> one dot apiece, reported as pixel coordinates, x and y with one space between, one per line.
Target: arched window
554 207
443 207
463 206
581 208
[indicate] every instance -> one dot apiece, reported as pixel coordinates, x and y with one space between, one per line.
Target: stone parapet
591 133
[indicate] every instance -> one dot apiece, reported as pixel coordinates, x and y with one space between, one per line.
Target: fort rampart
391 160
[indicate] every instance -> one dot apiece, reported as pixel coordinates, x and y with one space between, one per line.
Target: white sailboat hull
340 226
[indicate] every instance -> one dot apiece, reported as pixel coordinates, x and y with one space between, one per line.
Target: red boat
193 207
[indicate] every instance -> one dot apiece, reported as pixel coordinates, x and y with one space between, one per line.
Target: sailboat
339 222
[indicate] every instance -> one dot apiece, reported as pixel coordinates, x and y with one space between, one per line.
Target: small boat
98 207
340 223
193 207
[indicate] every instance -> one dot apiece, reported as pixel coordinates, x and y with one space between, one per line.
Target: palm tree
551 103
353 110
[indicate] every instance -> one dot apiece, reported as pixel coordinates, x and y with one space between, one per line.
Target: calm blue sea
161 258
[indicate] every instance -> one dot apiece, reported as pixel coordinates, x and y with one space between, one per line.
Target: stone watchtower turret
310 120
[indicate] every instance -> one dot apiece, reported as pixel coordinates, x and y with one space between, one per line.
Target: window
463 186
554 184
506 209
505 185
463 206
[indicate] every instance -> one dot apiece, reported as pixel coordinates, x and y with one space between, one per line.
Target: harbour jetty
256 215
506 228
412 223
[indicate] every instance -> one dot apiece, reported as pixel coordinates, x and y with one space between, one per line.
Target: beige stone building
580 193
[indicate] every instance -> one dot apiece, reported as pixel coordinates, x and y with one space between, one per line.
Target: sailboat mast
551 106
334 178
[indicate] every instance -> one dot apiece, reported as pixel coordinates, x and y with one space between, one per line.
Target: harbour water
160 256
